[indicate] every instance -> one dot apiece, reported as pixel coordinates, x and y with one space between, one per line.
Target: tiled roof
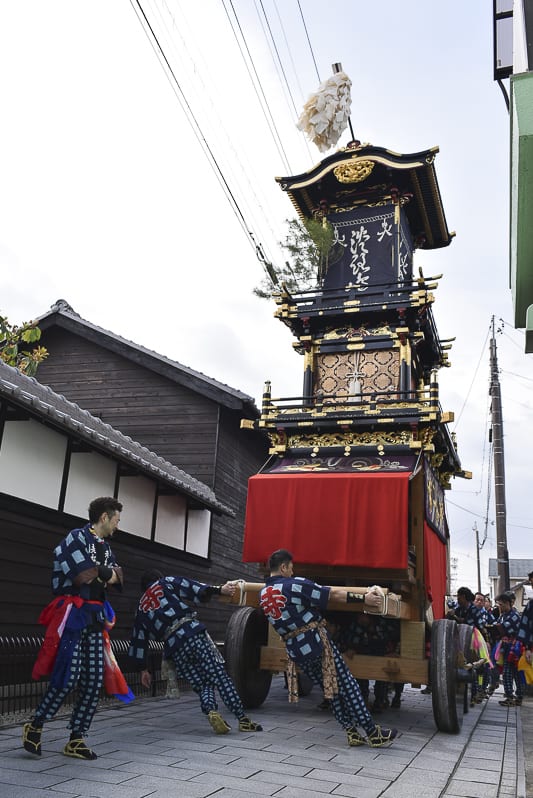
64 315
518 569
59 412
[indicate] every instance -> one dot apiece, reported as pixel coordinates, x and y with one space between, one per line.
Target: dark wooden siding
189 430
171 420
240 454
28 536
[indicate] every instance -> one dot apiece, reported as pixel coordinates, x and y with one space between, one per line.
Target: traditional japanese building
55 457
370 398
189 419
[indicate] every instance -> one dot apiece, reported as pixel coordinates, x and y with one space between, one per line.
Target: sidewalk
526 713
164 748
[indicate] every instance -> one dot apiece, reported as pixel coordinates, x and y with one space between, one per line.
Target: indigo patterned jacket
525 632
510 623
76 562
290 603
472 615
163 615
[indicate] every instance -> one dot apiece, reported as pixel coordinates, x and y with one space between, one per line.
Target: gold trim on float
350 438
448 417
354 172
375 158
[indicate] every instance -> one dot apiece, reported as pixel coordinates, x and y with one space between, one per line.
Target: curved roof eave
418 171
43 402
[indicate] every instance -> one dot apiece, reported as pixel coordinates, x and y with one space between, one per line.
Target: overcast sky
108 200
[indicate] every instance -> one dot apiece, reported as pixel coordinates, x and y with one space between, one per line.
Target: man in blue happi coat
467 611
164 613
525 632
73 650
508 626
295 606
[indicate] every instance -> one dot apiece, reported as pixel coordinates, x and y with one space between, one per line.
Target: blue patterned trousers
198 661
348 705
510 673
511 676
87 672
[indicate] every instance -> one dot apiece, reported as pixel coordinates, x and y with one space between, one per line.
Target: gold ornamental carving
354 333
437 460
445 478
354 172
350 439
426 436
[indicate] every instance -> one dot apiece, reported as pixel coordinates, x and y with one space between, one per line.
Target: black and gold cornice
411 174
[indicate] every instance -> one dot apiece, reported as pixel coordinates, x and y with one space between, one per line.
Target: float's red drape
435 568
329 519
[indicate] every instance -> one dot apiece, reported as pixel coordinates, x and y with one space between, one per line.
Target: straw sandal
218 723
354 738
247 725
78 749
31 738
381 736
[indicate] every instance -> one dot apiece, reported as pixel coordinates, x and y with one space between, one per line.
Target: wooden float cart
359 463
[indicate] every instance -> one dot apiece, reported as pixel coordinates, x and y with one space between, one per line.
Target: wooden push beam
247 594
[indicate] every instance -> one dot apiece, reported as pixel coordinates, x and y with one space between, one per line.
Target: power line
264 105
309 41
193 122
520 376
477 515
289 51
514 343
280 62
274 45
258 217
473 380
489 486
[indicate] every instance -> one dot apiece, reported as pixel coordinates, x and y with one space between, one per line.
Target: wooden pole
499 469
337 67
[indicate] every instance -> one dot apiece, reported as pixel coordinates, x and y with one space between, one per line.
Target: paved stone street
164 748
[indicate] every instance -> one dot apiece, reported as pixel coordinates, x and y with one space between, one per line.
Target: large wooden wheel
446 675
246 632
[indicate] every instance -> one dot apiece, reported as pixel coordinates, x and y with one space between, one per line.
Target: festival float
360 462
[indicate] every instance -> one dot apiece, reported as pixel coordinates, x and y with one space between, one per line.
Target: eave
412 174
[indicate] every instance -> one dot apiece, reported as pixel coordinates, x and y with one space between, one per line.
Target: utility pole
477 558
499 469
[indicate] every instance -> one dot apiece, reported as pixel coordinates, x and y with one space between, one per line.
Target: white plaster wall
32 459
137 494
170 523
198 526
90 475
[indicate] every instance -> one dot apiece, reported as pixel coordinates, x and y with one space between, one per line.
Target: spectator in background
525 632
508 625
474 615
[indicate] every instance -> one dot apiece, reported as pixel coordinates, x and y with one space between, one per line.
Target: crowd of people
76 651
504 641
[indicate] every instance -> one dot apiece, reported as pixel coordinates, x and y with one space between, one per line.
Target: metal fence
20 694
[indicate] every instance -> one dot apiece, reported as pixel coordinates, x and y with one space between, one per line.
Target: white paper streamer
326 113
